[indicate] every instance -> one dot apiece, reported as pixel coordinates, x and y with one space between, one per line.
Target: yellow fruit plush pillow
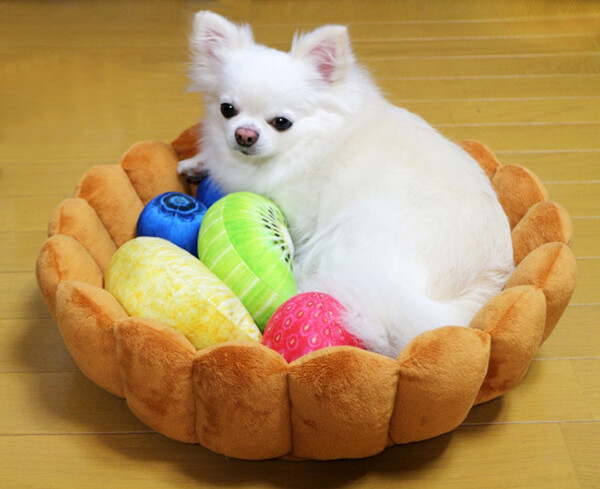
153 278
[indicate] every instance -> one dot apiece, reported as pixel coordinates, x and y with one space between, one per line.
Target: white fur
395 221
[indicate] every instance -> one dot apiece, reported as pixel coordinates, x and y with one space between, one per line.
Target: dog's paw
191 169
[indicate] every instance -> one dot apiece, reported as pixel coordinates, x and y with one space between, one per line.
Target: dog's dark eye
281 123
228 111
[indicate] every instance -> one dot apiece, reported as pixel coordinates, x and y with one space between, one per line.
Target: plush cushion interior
242 399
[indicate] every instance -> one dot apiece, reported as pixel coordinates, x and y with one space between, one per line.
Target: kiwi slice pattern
244 240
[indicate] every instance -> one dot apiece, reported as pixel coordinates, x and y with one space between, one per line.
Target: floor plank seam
549 421
485 77
482 56
503 99
487 20
565 35
553 359
81 433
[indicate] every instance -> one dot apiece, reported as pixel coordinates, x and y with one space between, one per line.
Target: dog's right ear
212 38
327 49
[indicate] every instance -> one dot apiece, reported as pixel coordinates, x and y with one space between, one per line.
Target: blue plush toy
209 192
173 216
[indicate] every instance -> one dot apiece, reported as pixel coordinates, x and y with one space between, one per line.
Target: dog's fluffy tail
386 315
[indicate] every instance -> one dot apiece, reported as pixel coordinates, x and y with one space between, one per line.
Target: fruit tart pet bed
240 398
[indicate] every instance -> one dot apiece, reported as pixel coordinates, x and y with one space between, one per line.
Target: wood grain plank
28 212
583 443
550 165
33 345
588 373
20 250
20 297
27 178
587 290
152 461
111 26
530 136
575 336
523 65
94 24
586 242
463 29
484 46
536 111
549 392
400 90
92 106
61 403
579 198
265 11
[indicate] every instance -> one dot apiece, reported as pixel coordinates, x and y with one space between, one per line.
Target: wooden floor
81 81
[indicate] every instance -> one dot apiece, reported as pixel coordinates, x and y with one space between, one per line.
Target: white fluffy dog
398 223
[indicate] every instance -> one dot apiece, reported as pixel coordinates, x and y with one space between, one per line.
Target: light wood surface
81 81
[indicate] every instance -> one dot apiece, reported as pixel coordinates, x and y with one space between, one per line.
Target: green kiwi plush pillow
244 240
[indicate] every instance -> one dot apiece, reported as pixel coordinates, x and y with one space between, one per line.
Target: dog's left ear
213 38
328 49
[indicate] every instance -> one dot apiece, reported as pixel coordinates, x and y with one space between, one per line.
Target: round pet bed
243 399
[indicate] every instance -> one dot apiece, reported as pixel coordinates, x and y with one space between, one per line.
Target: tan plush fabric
244 400
515 320
64 258
483 155
86 315
152 169
518 189
76 218
243 408
155 364
543 223
331 417
109 191
441 372
187 143
552 268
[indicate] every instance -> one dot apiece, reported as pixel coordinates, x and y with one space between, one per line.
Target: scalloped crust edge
244 400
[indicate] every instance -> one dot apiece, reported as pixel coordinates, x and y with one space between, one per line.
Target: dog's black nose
246 137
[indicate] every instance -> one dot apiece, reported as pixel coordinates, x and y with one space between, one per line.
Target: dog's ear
327 49
212 38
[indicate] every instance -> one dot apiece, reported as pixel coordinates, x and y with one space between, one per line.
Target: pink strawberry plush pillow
305 323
